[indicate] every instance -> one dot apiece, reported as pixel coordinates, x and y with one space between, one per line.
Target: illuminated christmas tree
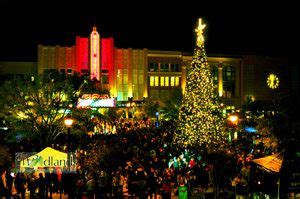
200 118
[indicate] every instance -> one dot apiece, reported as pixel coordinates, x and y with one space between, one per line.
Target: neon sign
94 96
95 54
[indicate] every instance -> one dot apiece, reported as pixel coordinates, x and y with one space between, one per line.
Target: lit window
151 80
172 81
166 81
162 81
176 81
156 81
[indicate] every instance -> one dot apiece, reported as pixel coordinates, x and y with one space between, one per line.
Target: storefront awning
270 163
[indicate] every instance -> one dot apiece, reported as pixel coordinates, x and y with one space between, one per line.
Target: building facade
140 73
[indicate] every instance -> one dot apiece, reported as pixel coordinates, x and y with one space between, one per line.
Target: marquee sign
95 101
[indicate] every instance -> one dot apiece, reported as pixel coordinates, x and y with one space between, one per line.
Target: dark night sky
254 28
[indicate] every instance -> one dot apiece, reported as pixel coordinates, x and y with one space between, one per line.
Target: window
162 81
175 68
172 81
215 72
229 81
176 81
153 67
69 71
104 71
166 81
151 80
164 67
156 81
228 73
105 79
63 70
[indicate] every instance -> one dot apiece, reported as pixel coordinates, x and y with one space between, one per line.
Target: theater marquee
95 101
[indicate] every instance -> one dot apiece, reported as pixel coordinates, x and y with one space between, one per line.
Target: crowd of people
140 160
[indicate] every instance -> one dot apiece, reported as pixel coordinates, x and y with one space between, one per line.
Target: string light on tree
200 118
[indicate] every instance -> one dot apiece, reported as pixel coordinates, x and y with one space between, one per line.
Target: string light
200 116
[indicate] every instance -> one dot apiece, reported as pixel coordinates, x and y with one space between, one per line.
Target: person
54 181
152 183
41 184
115 184
182 190
31 186
4 191
101 185
241 187
9 181
166 189
49 183
79 183
58 180
90 186
141 176
21 182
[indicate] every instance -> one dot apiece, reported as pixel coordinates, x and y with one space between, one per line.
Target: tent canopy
46 158
271 163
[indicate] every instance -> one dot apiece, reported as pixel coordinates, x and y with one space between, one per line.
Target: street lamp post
233 119
68 122
233 123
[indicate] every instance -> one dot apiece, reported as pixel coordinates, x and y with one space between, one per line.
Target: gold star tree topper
199 31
